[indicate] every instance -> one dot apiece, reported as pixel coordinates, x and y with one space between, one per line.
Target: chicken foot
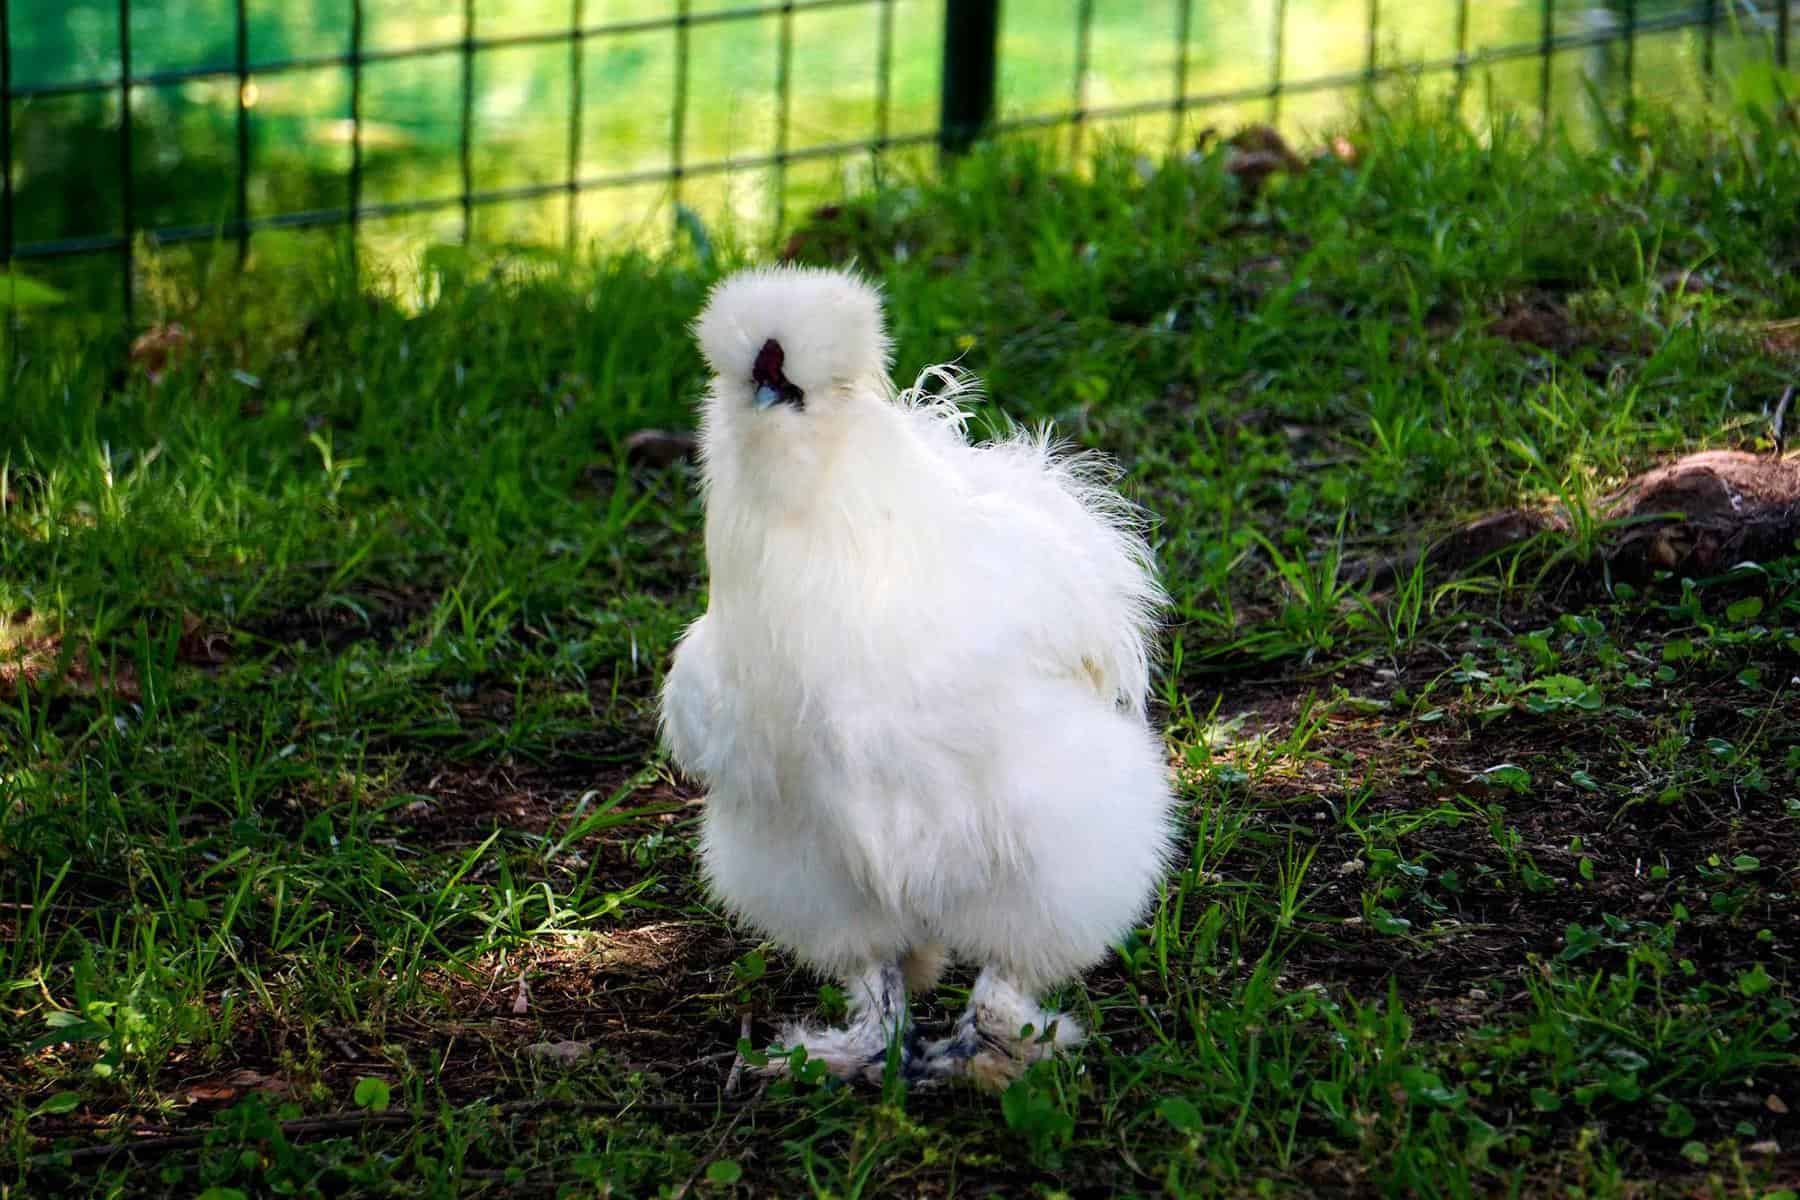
858 1050
1000 1034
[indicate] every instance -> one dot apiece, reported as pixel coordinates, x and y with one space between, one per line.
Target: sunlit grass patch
328 790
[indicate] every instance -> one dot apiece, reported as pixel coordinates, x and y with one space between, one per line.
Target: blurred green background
65 147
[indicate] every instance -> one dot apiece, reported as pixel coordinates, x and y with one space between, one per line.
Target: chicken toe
860 1048
1000 1034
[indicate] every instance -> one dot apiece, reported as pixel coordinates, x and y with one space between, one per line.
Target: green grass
327 777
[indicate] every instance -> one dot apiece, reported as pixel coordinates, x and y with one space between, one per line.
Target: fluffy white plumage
917 697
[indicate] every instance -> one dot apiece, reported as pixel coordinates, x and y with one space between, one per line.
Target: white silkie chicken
917 697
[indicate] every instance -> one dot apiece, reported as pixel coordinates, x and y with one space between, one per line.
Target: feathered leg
1002 1032
858 1050
922 966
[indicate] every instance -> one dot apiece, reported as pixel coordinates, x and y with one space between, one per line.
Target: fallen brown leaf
1258 151
31 655
156 349
658 448
238 1083
199 645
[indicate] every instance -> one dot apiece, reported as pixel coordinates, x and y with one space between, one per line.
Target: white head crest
791 337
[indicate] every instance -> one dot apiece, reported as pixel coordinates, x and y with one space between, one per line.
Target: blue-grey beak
766 397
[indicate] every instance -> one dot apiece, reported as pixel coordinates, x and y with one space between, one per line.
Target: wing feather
1068 553
689 714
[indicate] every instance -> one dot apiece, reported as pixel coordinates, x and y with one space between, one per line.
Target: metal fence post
466 140
6 153
572 203
353 189
971 37
242 64
127 206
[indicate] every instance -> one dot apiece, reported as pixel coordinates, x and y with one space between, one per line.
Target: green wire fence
973 60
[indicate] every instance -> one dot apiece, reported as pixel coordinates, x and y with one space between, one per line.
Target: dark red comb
767 369
766 372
